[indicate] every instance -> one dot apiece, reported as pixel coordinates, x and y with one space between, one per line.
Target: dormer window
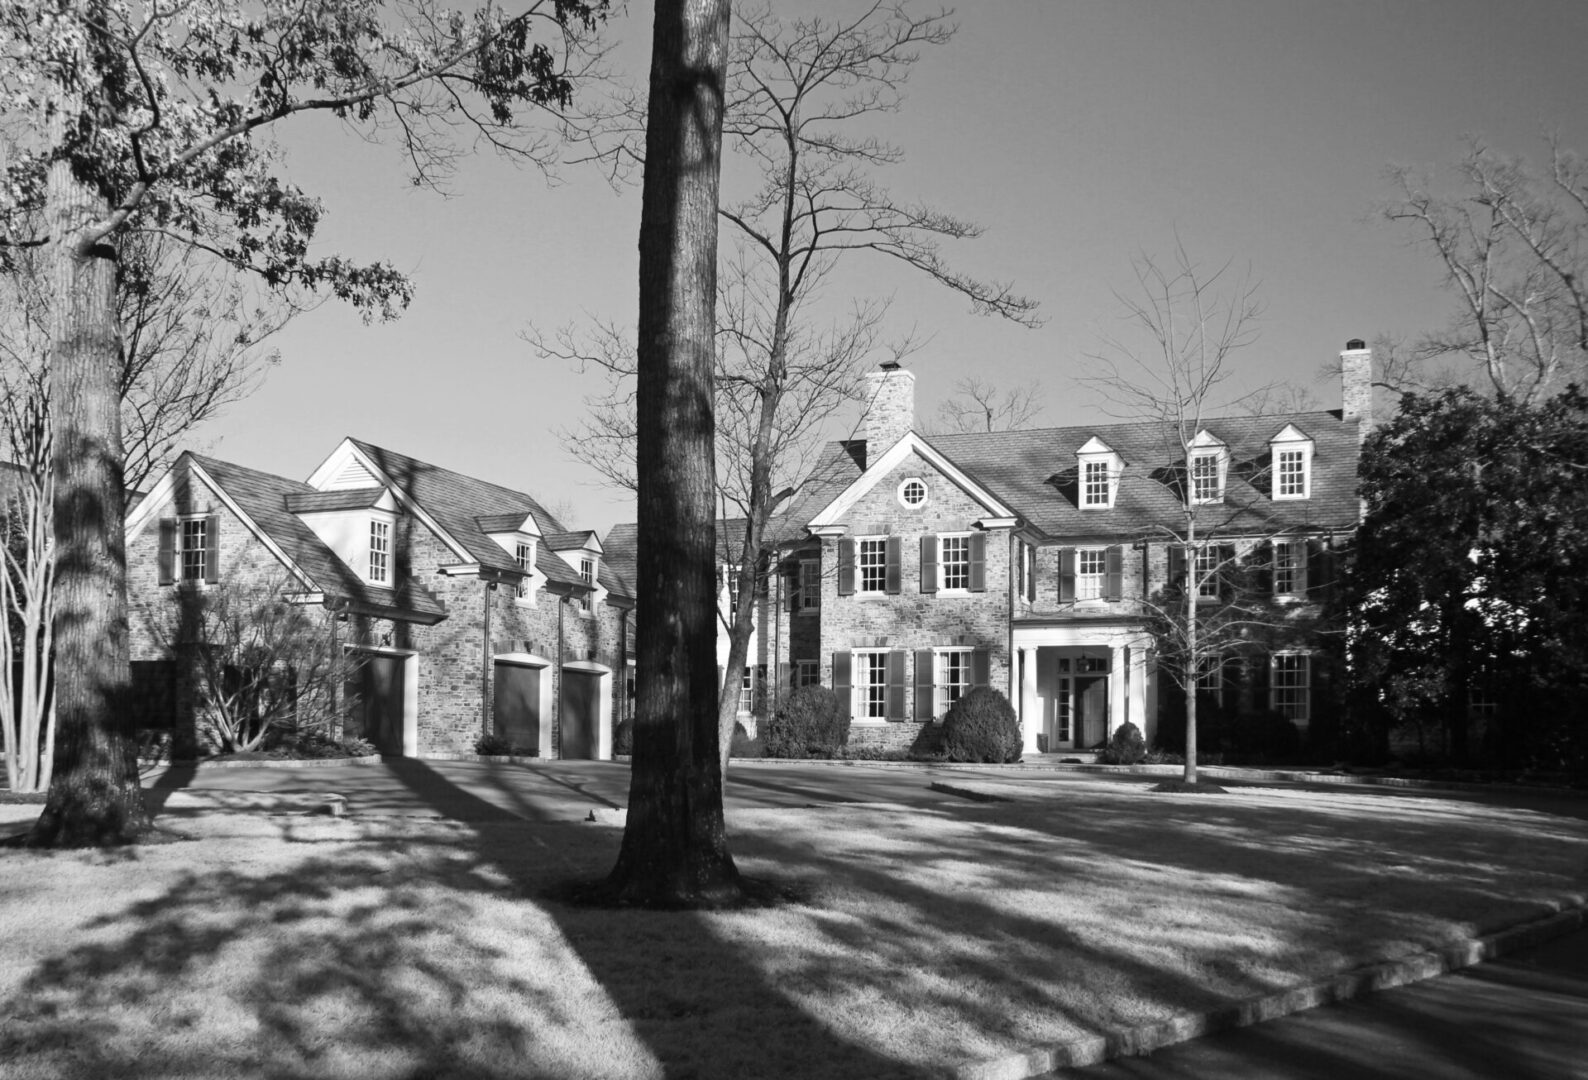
379 552
1209 460
1292 464
524 556
1099 474
587 570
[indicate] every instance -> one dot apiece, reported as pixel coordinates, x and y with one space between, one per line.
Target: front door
580 713
1091 710
377 710
516 706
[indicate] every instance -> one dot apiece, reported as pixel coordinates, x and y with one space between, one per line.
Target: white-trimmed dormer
582 551
519 536
359 525
1097 475
1290 470
1208 465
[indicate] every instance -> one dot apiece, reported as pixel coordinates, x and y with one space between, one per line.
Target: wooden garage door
580 713
516 705
377 709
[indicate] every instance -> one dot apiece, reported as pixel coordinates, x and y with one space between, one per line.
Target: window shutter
791 598
846 704
980 667
978 562
1115 587
1031 573
212 549
925 683
1066 575
1226 571
896 685
1263 566
1176 580
895 570
846 567
929 564
1318 568
785 675
1260 667
167 562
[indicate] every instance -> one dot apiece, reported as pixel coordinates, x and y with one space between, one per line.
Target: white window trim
529 588
387 521
1274 688
858 700
179 547
809 584
940 701
926 493
860 576
1221 461
942 589
1102 577
1300 569
1201 583
1112 468
1306 471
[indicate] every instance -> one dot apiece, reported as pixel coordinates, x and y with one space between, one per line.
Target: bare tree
980 405
1513 247
800 94
142 114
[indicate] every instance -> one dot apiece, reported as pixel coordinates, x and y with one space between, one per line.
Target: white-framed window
1025 570
1290 474
913 493
1210 674
1096 491
1091 573
192 549
750 687
1207 481
1290 567
871 569
1207 572
807 673
870 674
379 551
1290 686
810 585
587 570
953 556
524 556
952 677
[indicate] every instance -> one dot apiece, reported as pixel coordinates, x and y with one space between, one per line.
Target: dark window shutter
791 599
1031 573
167 562
1319 568
896 685
1226 571
929 564
1176 580
925 682
212 549
841 681
980 667
1066 575
895 580
846 567
785 675
978 562
1263 566
1259 666
1115 585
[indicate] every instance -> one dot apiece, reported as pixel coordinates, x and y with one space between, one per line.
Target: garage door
516 705
376 696
580 713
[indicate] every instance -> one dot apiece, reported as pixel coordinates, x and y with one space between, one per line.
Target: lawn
291 946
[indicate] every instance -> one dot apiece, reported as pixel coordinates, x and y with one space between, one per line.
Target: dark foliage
1125 747
981 726
742 746
623 737
809 724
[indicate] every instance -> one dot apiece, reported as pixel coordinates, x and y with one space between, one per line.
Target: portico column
1030 706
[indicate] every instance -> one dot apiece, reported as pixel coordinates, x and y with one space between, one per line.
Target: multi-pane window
1289 567
1091 573
523 555
953 677
1207 572
750 687
379 552
912 492
1290 481
193 562
872 556
871 684
810 585
1205 478
807 673
1094 483
1210 674
954 560
1290 686
587 571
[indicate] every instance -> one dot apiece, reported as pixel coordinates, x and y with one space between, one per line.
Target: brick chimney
890 408
1356 385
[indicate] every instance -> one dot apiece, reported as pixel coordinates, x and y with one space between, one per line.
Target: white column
1118 688
1030 704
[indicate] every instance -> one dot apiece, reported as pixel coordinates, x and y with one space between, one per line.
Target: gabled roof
513 522
909 444
583 539
311 502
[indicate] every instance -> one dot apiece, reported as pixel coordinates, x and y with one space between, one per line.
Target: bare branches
979 405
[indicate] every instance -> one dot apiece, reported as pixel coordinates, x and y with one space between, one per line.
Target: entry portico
1077 683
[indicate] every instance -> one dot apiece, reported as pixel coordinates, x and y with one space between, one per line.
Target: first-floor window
953 677
1290 687
1210 673
871 685
379 552
807 673
194 549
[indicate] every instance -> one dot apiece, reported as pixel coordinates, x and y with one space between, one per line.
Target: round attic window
912 492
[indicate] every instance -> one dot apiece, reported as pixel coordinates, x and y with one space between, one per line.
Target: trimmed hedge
981 727
1126 747
810 723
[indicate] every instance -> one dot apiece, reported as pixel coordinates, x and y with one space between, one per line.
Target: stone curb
498 759
966 793
263 763
1146 1038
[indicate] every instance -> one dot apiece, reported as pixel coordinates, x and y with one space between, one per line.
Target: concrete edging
1146 1038
261 763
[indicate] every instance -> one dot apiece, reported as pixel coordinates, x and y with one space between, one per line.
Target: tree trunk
675 845
94 794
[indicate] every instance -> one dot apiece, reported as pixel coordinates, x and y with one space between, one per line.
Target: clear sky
1077 133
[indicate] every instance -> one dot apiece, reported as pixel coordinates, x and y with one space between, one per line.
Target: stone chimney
1356 385
890 408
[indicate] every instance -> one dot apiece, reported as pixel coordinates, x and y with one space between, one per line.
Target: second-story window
587 571
379 552
1205 486
1094 483
954 554
1290 480
1290 567
1207 572
1091 573
810 585
872 560
194 549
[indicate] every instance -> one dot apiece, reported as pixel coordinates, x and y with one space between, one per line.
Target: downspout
486 670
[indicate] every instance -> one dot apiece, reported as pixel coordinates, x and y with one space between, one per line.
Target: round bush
623 737
1126 747
981 726
810 723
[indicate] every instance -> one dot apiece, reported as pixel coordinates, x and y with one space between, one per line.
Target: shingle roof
457 502
309 502
622 550
264 497
569 541
501 523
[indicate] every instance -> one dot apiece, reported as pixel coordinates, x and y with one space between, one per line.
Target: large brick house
473 609
912 568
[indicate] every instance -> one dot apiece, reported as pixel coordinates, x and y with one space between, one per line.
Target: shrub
623 737
981 726
743 746
1126 747
928 744
810 723
492 746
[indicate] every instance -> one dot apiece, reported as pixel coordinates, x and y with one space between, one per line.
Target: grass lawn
285 947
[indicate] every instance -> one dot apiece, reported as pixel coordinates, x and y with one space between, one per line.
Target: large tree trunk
94 794
675 846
